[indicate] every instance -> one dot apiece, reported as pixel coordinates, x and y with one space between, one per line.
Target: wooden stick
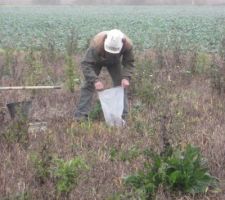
29 87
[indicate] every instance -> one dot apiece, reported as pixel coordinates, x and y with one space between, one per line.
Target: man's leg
87 92
84 105
115 73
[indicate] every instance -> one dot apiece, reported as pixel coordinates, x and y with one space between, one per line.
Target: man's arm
128 63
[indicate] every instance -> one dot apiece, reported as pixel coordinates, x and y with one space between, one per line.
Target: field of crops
22 27
172 147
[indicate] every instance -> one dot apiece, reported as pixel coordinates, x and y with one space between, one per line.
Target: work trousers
88 89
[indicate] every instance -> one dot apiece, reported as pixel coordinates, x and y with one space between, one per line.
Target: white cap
114 41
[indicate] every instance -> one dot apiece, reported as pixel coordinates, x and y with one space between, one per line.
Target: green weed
71 76
19 196
17 132
200 62
8 65
217 79
124 155
96 112
72 42
179 170
222 49
130 154
42 162
35 69
66 173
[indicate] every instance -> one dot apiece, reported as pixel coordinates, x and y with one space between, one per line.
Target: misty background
114 2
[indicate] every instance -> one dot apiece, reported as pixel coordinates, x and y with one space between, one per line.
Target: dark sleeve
128 63
88 65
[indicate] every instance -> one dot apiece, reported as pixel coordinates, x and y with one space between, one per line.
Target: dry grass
191 113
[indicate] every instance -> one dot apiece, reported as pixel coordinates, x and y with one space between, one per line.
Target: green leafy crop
34 26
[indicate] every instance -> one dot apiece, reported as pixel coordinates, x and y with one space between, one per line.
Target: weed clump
178 170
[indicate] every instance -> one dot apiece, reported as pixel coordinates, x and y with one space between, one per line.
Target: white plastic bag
112 102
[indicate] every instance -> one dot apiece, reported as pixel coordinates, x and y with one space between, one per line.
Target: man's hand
125 83
99 85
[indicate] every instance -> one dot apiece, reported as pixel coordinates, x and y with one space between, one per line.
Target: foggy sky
210 2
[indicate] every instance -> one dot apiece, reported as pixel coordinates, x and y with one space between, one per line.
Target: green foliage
129 154
113 153
217 78
193 61
202 63
41 164
19 196
200 26
63 174
131 195
35 69
182 170
17 132
124 155
71 49
159 48
222 49
71 77
141 126
66 173
146 92
96 112
187 171
145 87
8 61
48 50
42 160
72 42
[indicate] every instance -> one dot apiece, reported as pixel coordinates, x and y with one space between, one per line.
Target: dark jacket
97 57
